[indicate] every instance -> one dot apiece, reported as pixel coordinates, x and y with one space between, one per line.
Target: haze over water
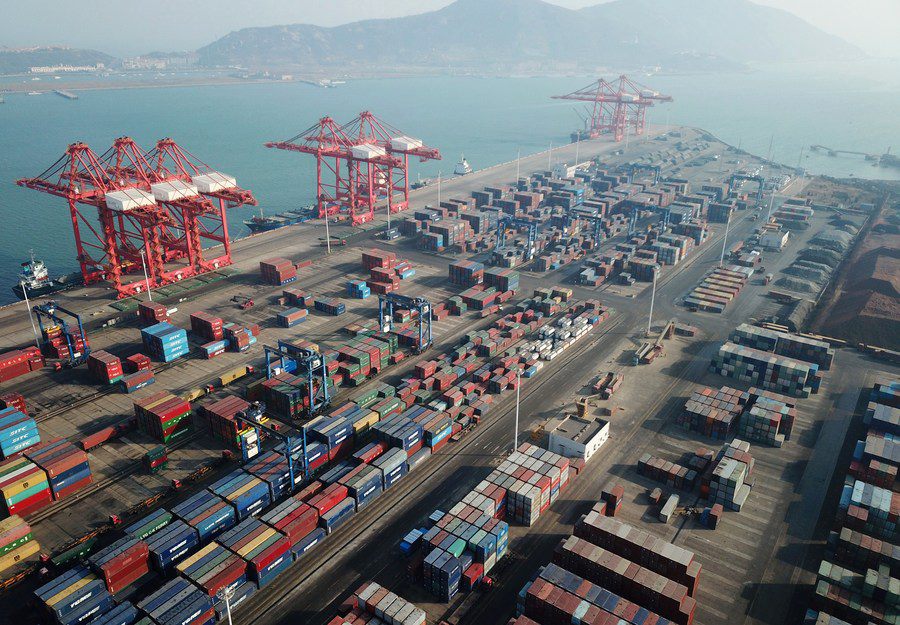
849 106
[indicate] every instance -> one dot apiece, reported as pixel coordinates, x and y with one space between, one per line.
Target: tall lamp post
146 277
30 315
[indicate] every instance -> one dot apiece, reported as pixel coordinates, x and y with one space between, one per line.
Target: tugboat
463 167
36 280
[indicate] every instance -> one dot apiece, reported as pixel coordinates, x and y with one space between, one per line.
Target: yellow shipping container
26 480
182 566
14 557
193 395
365 422
229 377
256 542
68 590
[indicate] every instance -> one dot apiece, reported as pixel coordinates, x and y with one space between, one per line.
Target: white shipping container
367 151
214 182
128 199
173 190
404 143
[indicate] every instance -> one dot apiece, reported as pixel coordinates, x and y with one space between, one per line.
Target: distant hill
508 36
19 60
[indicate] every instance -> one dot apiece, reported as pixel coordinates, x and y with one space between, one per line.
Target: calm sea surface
850 107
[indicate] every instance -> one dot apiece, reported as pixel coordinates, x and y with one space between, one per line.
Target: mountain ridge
520 34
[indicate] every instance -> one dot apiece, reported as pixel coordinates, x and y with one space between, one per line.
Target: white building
774 239
574 437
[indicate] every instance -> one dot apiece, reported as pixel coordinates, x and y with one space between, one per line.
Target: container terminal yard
613 334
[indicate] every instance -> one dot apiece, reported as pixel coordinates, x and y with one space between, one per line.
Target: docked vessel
462 167
37 281
262 223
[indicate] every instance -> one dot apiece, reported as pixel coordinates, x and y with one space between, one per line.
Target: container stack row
165 417
277 271
859 576
766 370
105 367
165 342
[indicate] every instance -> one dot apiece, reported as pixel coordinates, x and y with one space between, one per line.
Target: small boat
35 93
35 280
261 223
463 167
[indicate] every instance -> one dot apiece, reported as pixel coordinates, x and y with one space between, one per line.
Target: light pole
577 145
518 395
226 594
771 206
328 232
146 277
550 156
518 156
30 315
652 299
725 239
440 176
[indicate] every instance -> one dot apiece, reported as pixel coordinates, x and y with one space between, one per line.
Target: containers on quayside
132 382
150 524
272 468
171 543
214 568
18 432
122 563
207 326
330 306
291 317
24 486
278 271
65 464
19 362
165 342
179 602
375 600
466 273
165 417
152 313
294 518
266 551
208 513
246 493
17 542
105 367
76 596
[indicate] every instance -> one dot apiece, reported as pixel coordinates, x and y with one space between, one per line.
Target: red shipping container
309 491
328 498
226 577
32 504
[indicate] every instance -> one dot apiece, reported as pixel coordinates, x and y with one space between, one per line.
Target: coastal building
575 437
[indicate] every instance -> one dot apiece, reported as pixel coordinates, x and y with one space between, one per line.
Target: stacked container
358 289
377 601
18 432
19 362
137 362
163 416
277 271
466 273
266 551
728 484
209 514
769 371
165 342
246 493
179 602
294 518
149 525
17 542
135 381
291 317
65 464
714 413
171 543
392 465
76 596
122 563
784 344
620 575
153 312
658 555
214 568
378 259
207 326
338 515
272 468
364 483
104 366
218 417
24 487
502 279
330 306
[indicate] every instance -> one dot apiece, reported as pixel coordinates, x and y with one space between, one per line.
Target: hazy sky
127 27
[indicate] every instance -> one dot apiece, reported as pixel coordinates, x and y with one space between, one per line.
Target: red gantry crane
367 160
147 217
616 106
